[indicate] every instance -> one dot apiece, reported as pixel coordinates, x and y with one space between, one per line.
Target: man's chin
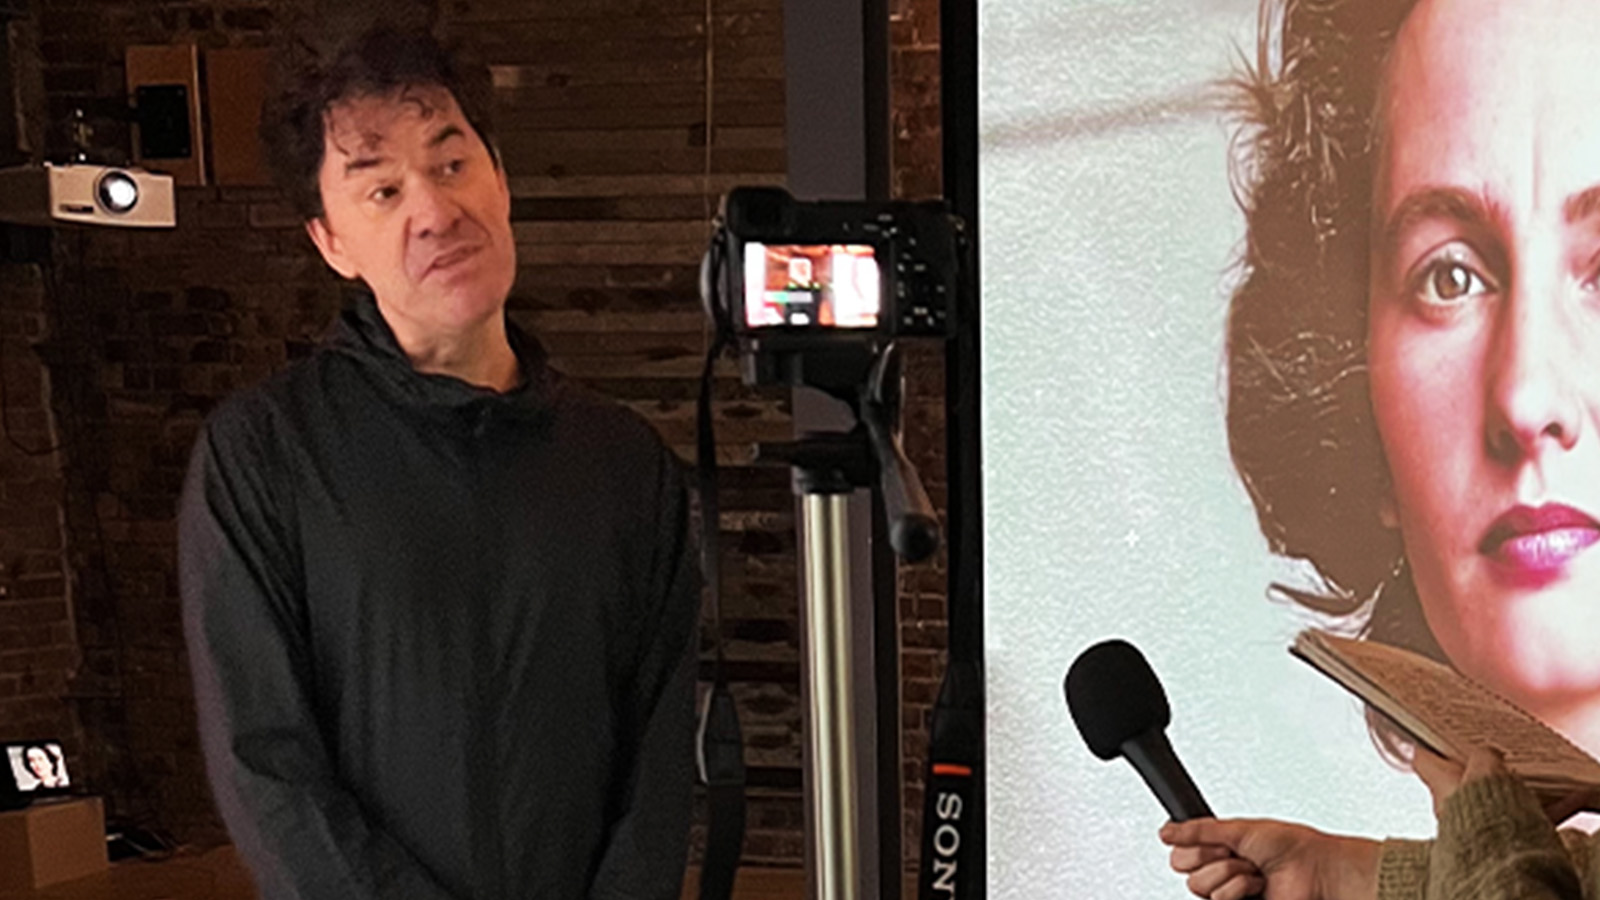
469 304
445 307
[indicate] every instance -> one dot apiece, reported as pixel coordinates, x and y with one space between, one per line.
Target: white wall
1110 505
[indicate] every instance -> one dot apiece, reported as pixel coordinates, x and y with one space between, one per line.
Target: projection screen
1112 240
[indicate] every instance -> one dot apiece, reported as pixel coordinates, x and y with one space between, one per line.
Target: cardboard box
52 841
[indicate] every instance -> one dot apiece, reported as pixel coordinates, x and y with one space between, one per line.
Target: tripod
828 468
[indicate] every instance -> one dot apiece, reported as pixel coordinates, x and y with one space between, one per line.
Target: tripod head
870 455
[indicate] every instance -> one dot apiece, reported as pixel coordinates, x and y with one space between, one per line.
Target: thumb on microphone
1230 859
1205 851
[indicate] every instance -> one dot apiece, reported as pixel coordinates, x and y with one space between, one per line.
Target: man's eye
384 194
454 166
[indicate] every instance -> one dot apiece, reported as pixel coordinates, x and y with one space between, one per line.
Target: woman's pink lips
1535 544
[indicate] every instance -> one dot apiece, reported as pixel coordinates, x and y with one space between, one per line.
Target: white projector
82 194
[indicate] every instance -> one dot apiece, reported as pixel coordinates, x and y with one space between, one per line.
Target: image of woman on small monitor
39 767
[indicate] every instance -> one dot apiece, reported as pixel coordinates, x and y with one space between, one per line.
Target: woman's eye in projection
1449 279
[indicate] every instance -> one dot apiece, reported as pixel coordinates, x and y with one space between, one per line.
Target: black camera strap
952 857
719 741
950 865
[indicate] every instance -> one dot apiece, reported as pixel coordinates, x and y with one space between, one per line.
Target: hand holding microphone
1121 710
1119 707
1230 859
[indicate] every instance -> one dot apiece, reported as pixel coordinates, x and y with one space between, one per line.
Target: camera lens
117 192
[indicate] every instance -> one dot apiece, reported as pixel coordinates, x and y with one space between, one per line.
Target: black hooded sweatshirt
442 637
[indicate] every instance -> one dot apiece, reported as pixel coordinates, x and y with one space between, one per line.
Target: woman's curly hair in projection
1300 422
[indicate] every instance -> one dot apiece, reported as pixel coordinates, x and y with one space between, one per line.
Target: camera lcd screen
38 767
811 285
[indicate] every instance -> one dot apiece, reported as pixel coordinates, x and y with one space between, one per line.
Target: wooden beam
636 71
636 185
610 232
723 114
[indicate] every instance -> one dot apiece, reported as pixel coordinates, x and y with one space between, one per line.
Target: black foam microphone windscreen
1114 697
1121 710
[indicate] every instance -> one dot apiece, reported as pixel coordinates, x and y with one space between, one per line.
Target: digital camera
821 282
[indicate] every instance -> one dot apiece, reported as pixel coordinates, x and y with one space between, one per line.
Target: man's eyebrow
1582 206
1453 203
361 163
445 134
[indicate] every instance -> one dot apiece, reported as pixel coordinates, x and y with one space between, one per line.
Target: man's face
1484 335
415 206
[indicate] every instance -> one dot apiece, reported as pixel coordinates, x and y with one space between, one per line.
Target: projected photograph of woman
1414 394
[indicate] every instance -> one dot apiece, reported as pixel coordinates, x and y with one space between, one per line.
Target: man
439 602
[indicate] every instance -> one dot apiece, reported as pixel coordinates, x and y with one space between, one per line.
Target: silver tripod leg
831 779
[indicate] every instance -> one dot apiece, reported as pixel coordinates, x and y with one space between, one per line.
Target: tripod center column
829 682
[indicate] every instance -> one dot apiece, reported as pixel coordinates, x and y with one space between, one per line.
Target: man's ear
329 245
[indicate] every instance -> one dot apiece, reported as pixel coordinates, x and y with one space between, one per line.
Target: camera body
812 291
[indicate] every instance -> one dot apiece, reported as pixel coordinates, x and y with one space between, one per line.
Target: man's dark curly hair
1300 423
380 62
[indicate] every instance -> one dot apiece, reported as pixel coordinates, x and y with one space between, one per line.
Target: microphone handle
1151 753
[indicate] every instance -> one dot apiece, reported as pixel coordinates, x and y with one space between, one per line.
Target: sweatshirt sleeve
302 833
645 854
1494 844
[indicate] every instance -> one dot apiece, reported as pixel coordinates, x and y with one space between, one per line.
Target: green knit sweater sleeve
1494 844
1403 869
1585 852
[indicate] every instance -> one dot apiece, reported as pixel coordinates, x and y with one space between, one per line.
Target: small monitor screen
38 767
811 285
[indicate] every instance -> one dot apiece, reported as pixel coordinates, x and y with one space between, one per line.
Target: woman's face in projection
1484 335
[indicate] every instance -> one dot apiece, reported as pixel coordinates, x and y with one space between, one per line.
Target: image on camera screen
38 767
811 285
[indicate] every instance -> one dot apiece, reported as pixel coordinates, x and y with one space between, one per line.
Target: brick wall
144 332
38 647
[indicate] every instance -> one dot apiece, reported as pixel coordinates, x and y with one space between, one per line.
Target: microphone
1121 710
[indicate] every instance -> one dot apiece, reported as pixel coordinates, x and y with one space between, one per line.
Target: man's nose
1534 401
434 211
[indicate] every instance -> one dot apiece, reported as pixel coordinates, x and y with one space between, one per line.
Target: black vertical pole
958 56
879 158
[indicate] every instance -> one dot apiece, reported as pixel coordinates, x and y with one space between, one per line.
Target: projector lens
117 192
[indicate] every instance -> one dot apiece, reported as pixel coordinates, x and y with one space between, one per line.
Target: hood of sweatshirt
363 335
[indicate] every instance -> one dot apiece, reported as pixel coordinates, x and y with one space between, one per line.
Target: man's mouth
452 258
